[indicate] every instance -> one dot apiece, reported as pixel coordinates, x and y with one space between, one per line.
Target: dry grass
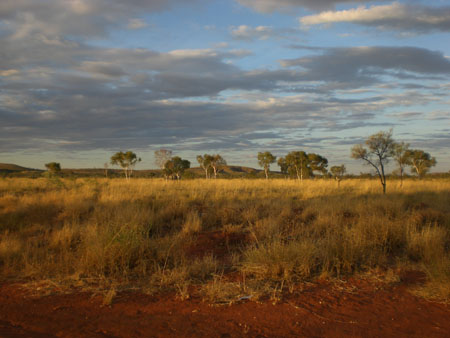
140 232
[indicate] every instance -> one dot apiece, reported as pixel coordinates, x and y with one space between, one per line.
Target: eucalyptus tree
217 162
338 172
53 167
421 162
205 163
376 152
162 156
126 160
283 166
317 163
265 159
106 167
175 167
402 156
297 162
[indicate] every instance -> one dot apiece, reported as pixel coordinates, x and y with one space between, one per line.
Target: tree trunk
401 177
301 171
418 171
266 171
383 177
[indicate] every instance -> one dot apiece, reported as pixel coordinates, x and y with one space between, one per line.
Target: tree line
376 151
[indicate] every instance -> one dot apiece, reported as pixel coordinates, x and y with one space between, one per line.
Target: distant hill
226 171
9 167
239 169
231 171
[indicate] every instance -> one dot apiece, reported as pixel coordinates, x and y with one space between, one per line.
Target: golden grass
141 232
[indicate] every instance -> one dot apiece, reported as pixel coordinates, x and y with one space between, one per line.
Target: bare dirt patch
352 308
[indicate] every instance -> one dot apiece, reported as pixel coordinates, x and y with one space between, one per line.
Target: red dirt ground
355 308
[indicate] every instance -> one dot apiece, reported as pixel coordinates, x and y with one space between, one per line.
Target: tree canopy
126 160
402 158
297 163
338 172
217 161
303 165
421 162
53 167
205 163
162 156
283 165
317 163
376 152
265 159
175 167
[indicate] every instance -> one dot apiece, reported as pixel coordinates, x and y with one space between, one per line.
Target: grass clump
281 261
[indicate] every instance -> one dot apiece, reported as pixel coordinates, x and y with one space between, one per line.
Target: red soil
355 308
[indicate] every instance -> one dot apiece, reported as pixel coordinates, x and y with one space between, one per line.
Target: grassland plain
222 239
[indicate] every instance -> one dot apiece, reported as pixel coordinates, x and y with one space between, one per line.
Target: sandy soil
355 308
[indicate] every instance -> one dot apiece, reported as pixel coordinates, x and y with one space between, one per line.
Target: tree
205 163
317 163
421 162
126 161
217 161
338 172
301 164
297 163
402 157
265 160
161 157
53 167
283 165
176 167
106 167
380 147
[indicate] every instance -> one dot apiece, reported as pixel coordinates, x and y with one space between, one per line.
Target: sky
83 79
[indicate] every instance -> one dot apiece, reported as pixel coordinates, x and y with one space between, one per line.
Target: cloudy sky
82 79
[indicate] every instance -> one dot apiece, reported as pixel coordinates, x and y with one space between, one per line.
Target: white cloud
393 16
268 6
8 72
77 17
221 45
248 33
80 6
136 24
358 67
345 35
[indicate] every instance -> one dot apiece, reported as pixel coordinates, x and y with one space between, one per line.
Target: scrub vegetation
222 239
